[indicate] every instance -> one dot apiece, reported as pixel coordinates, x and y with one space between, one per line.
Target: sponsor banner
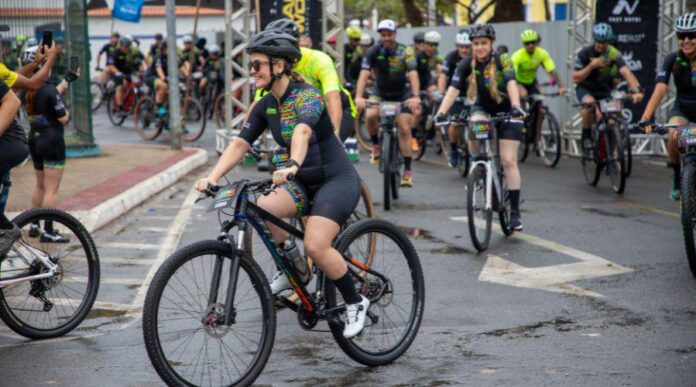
306 14
128 10
635 22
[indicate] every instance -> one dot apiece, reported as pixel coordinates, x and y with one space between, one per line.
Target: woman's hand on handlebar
204 184
645 125
284 175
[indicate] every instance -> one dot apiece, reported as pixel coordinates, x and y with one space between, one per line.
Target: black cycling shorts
507 130
531 89
12 152
150 81
47 149
678 111
582 91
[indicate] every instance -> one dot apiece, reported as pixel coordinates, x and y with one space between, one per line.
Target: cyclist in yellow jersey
319 70
528 59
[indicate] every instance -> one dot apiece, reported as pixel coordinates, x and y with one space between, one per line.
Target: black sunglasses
685 35
531 43
432 44
256 65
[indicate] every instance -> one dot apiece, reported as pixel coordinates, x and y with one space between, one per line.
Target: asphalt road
595 292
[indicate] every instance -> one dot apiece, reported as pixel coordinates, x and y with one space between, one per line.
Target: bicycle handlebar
656 128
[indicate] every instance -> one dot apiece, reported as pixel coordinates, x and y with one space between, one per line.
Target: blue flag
128 10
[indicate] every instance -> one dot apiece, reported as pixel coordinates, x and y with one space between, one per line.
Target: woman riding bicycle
489 75
679 64
324 176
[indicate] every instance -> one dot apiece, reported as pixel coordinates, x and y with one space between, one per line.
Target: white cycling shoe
279 283
355 318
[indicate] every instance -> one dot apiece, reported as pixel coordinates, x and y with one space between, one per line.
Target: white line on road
132 245
153 229
126 261
169 244
104 280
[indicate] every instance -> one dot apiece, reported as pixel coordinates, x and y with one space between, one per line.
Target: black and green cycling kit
684 71
599 82
391 67
46 141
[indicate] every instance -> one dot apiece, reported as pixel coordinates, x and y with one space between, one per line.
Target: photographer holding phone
47 114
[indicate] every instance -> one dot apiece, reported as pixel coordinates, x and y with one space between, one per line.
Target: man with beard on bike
679 65
394 65
491 83
296 116
463 50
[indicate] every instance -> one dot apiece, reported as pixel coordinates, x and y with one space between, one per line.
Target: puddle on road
447 248
599 211
451 249
102 312
561 324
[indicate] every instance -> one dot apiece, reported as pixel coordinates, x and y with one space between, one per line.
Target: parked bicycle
48 287
609 141
209 319
541 132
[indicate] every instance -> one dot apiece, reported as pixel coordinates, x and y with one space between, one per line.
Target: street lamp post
172 68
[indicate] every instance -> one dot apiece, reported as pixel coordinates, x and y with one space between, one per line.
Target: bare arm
657 95
448 101
415 82
362 82
38 79
300 142
581 75
629 77
334 108
9 105
514 93
442 83
64 120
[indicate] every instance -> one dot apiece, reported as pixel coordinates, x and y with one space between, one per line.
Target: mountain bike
541 131
461 121
131 88
208 316
486 188
47 287
686 140
97 92
608 143
391 158
425 125
149 123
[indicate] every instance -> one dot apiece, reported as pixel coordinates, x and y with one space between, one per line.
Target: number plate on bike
225 197
687 138
610 105
481 130
389 109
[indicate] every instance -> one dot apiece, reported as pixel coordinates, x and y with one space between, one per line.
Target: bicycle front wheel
193 123
479 217
52 306
616 162
523 149
116 117
147 125
386 170
183 318
627 145
688 213
550 140
396 304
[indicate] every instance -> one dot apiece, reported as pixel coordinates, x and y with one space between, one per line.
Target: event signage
306 13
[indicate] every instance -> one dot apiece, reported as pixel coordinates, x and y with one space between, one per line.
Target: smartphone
47 38
74 63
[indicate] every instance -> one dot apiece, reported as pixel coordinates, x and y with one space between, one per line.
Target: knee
509 162
316 247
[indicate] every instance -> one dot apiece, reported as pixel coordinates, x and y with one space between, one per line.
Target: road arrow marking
554 278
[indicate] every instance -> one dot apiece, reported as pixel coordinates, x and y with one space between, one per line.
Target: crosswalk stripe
133 245
153 229
126 261
105 280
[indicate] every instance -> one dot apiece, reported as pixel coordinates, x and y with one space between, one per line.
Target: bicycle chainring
306 319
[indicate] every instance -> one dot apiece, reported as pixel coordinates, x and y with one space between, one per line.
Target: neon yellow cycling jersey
526 65
10 77
319 70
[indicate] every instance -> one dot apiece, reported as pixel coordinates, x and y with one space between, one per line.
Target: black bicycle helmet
284 25
602 32
482 31
275 44
419 37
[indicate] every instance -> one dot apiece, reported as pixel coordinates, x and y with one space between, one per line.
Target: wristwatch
292 163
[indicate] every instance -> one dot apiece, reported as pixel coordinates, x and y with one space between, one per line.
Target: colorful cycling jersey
684 72
425 65
123 61
48 108
526 64
7 76
450 64
14 131
600 80
504 71
391 67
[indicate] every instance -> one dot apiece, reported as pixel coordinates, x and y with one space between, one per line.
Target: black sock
375 139
677 176
515 200
453 146
5 223
347 288
407 163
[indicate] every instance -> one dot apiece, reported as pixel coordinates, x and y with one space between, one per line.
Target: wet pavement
638 328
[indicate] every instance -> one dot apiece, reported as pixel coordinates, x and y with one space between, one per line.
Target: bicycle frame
488 161
52 267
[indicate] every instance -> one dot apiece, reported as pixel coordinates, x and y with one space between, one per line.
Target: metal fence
67 19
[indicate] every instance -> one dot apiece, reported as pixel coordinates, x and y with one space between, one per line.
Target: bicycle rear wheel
116 117
504 209
147 124
627 145
688 213
185 336
361 133
52 306
193 123
550 140
395 169
479 218
396 305
591 167
616 160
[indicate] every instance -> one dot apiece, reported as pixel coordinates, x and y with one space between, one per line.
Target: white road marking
132 245
554 278
169 245
126 261
153 229
104 280
26 342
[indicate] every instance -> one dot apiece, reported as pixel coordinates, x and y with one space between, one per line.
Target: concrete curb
111 209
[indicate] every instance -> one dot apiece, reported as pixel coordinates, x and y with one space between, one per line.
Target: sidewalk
98 190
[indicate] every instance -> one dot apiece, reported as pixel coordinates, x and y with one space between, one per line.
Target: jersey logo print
271 111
